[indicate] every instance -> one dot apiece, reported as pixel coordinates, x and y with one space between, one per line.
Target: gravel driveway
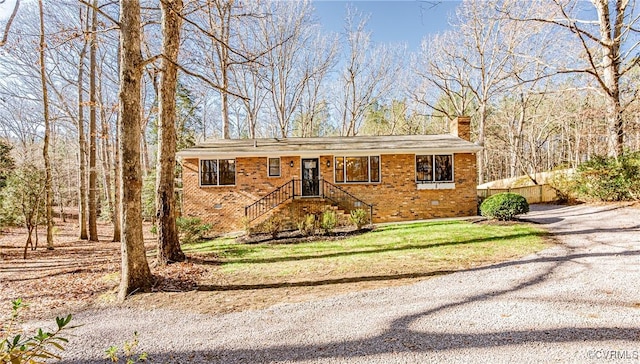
578 301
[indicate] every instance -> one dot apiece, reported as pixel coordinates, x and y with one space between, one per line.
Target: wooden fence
533 194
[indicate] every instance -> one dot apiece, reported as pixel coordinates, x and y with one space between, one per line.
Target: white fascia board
206 154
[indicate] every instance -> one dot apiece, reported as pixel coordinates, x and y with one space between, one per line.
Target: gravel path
578 302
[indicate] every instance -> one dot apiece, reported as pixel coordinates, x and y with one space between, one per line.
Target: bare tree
93 132
48 189
286 33
323 57
136 275
368 74
218 17
609 46
442 76
168 241
7 26
82 201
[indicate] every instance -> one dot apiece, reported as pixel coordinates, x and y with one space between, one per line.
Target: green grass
392 249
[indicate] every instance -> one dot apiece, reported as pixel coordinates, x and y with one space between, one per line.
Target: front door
310 177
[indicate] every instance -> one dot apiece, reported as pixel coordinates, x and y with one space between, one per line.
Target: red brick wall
395 198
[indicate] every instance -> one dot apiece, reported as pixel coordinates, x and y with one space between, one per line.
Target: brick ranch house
393 178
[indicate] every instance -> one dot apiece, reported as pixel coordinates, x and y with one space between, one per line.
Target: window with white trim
357 169
273 167
217 172
434 168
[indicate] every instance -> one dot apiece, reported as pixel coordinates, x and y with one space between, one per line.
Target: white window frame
344 169
269 167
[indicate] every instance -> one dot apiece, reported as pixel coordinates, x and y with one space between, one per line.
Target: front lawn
392 252
224 276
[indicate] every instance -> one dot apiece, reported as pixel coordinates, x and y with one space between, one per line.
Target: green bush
329 221
609 179
16 347
359 218
191 229
307 225
504 206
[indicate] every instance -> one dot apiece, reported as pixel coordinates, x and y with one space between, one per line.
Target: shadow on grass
365 252
322 282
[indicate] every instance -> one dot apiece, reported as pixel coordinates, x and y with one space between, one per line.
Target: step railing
343 199
288 191
270 201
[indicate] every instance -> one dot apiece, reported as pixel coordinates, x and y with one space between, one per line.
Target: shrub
307 225
18 347
504 206
272 226
609 179
329 221
359 218
247 227
191 229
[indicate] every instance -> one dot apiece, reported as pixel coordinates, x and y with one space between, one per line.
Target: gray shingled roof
441 143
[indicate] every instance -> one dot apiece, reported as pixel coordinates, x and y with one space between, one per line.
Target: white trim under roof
343 146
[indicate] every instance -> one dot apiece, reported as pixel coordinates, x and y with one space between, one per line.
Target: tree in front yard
168 242
136 275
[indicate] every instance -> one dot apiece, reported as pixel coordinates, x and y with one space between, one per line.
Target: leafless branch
7 27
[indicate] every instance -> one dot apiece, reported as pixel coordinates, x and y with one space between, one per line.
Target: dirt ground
80 275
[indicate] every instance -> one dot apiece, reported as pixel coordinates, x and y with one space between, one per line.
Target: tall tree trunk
93 179
224 100
168 242
106 167
482 156
106 154
610 34
47 130
82 204
136 275
117 231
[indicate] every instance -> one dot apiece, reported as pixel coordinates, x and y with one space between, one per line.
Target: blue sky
391 21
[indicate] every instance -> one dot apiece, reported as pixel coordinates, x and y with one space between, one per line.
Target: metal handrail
350 204
270 201
342 198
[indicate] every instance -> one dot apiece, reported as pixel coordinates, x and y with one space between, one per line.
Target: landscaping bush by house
358 217
307 225
504 206
191 229
329 221
608 178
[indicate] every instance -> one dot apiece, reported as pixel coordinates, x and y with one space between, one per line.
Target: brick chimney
461 127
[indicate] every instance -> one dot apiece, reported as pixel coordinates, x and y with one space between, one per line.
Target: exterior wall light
291 164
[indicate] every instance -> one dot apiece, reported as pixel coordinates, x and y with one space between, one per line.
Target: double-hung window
357 169
274 167
434 168
217 172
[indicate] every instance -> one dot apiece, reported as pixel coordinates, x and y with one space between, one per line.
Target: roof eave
207 153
